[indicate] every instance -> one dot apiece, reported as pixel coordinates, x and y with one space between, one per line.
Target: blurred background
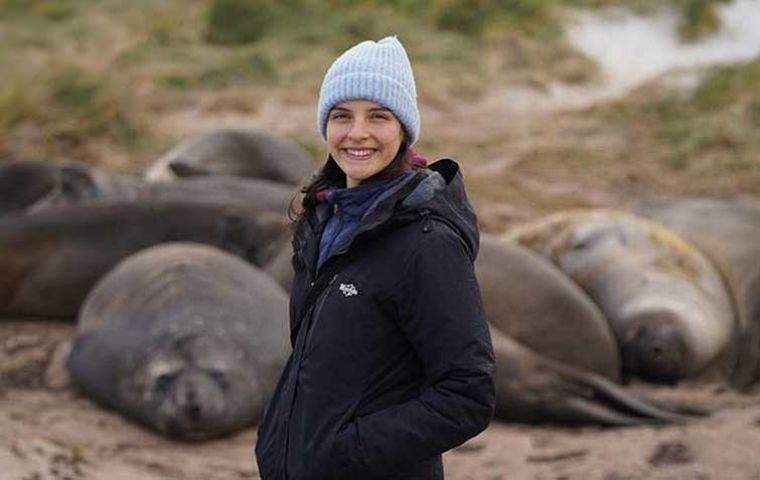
548 104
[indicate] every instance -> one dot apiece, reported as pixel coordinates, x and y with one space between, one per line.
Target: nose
359 129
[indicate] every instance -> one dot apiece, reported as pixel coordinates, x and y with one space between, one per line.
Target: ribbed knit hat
376 71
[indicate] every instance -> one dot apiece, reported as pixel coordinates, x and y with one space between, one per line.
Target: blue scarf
348 207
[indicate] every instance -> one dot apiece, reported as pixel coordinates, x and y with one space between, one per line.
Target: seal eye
220 378
587 240
163 382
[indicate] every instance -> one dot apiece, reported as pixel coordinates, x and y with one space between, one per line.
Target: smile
359 153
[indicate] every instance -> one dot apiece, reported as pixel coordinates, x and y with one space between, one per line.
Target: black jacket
392 361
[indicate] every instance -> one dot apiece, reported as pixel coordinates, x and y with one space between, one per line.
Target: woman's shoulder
428 236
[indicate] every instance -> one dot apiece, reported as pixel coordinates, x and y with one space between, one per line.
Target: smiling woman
363 138
392 362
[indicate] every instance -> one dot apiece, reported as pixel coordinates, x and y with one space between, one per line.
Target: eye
380 116
589 239
163 382
339 116
220 378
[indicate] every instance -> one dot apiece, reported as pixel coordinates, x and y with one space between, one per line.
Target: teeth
364 152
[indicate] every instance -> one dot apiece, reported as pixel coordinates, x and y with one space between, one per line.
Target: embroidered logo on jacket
348 289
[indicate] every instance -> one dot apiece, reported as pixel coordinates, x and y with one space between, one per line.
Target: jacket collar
437 191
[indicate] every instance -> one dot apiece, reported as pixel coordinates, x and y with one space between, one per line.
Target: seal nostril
194 412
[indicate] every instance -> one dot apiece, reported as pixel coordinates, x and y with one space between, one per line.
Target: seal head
654 348
191 388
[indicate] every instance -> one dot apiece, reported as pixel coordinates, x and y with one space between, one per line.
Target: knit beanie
376 71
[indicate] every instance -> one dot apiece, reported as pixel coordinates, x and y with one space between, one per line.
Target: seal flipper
683 408
583 411
534 389
620 400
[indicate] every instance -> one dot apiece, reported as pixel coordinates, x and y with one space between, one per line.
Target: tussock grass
64 108
711 131
235 22
78 72
701 143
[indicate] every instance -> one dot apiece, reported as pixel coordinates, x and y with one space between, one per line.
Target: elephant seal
23 184
532 388
28 186
266 195
529 299
183 338
728 232
666 302
238 152
51 259
281 266
557 359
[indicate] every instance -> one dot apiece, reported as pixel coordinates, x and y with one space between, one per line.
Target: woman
392 362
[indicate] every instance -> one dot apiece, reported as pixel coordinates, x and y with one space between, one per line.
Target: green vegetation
54 10
69 107
235 22
712 130
698 18
78 72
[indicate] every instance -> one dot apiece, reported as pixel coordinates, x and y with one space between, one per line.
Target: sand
49 431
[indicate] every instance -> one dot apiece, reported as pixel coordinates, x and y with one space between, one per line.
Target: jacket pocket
339 458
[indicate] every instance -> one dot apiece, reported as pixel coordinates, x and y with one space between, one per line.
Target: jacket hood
441 192
436 192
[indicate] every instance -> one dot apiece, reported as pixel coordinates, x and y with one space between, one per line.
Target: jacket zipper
426 225
315 314
312 314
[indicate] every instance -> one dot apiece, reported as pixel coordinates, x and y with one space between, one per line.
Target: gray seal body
529 299
29 186
728 232
237 152
557 358
665 301
183 338
50 260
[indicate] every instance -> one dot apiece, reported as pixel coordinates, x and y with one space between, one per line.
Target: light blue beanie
376 71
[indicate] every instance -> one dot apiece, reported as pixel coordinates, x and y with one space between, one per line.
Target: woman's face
363 138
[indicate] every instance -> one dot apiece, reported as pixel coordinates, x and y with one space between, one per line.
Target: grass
716 127
704 142
79 72
653 142
235 22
